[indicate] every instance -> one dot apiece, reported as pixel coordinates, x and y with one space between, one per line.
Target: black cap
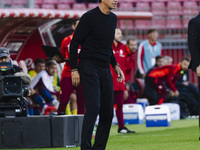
4 52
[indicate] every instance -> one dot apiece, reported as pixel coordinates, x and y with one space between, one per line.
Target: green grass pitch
181 135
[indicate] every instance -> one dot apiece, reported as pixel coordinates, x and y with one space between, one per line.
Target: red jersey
169 74
120 52
65 52
130 63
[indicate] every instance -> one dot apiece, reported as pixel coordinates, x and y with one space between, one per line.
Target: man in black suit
194 47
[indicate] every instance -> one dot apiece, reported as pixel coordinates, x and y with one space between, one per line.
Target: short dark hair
158 57
99 1
128 41
38 60
50 62
151 30
185 58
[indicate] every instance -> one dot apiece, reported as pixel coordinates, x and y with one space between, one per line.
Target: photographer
5 57
12 99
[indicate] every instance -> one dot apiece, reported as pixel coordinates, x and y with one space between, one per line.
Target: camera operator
8 69
5 57
14 70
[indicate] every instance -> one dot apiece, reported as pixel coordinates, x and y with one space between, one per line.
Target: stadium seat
125 6
63 6
8 2
190 8
38 2
174 22
17 6
174 8
48 6
37 6
126 24
158 22
19 2
186 19
158 8
142 24
92 5
66 1
79 6
129 1
142 6
50 1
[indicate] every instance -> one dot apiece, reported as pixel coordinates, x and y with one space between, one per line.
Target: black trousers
98 94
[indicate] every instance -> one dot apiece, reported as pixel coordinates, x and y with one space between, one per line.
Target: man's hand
186 83
119 73
198 71
171 93
176 93
57 59
75 78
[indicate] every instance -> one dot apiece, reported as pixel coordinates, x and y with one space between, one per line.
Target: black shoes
125 130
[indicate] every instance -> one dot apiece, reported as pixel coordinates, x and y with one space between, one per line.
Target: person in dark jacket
157 78
194 48
188 92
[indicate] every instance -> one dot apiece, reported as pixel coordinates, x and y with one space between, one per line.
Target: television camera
12 92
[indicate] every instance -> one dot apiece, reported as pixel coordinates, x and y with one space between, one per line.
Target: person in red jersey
156 79
66 83
130 58
120 52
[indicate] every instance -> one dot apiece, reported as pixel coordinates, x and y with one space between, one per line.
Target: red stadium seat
67 1
174 8
50 1
158 22
147 1
186 19
174 22
142 6
17 6
8 2
63 6
19 2
190 8
36 6
158 8
126 24
129 1
38 2
48 6
126 6
92 5
79 6
142 24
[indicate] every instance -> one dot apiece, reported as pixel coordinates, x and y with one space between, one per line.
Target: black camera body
12 101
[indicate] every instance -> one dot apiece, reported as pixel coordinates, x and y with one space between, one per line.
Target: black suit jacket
194 41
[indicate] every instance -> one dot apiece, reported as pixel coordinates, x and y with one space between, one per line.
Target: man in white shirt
43 85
